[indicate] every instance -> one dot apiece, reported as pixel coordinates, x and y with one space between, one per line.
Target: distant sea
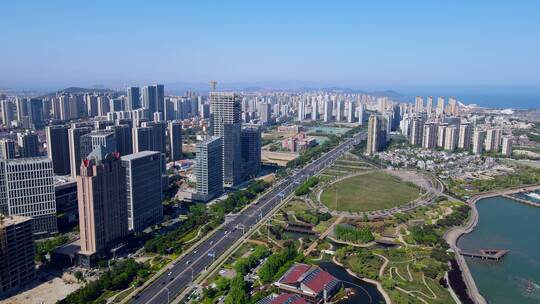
484 96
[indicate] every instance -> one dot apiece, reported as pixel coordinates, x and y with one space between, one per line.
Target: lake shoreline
453 235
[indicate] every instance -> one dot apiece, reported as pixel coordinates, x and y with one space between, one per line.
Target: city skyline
352 45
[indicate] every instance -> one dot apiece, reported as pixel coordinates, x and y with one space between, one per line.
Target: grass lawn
372 191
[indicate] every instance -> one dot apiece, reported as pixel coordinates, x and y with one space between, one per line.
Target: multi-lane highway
182 273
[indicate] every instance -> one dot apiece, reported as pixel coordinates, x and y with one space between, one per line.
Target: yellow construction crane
213 83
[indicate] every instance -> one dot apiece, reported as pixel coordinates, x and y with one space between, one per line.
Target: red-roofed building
312 283
284 298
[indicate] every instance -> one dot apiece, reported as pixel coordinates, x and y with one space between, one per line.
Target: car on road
188 261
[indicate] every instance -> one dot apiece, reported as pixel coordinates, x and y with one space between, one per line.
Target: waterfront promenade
453 234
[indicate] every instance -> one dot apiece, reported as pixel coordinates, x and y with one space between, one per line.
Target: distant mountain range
284 86
78 90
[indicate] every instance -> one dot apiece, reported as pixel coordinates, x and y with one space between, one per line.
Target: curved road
181 274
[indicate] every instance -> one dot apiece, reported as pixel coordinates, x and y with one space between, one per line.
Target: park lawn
368 192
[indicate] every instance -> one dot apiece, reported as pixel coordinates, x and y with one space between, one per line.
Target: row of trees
314 152
359 260
119 277
244 265
46 247
169 241
238 199
304 188
237 292
353 234
200 215
431 235
278 263
312 217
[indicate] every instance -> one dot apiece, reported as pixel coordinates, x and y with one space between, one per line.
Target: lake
506 224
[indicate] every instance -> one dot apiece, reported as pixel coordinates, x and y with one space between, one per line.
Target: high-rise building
227 124
58 148
101 192
361 113
209 168
22 108
314 109
507 146
328 105
36 112
430 136
266 113
28 143
351 110
478 141
451 138
103 105
17 253
453 106
301 110
339 110
142 139
74 138
441 132
376 134
175 140
493 140
419 104
8 109
429 106
149 99
143 178
116 105
99 138
251 151
102 124
7 148
133 99
124 139
91 102
27 189
158 137
465 136
160 98
417 128
440 106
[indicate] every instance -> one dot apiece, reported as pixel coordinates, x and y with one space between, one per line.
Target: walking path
383 267
432 191
323 236
374 282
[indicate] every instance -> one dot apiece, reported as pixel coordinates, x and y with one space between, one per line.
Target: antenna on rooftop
213 83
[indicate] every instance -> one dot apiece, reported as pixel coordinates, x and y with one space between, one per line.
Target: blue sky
388 44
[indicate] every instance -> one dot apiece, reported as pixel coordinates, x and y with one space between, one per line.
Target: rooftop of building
12 220
313 278
208 139
28 160
139 155
100 133
59 180
283 298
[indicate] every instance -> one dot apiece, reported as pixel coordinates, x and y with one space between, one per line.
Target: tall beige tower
101 194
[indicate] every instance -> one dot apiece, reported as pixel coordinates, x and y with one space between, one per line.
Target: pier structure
486 254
